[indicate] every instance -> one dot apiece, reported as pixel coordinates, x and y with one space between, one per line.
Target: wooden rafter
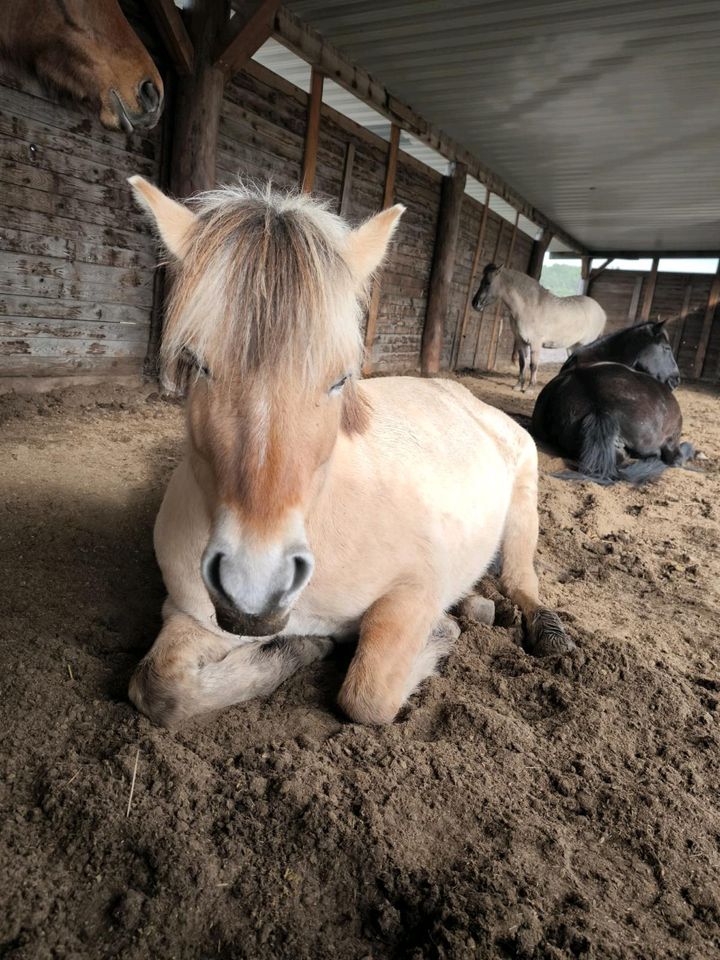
493 259
649 292
174 35
312 131
680 326
389 193
443 267
497 319
311 46
703 342
243 36
346 190
471 281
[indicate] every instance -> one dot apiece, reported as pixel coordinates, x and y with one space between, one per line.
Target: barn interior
519 808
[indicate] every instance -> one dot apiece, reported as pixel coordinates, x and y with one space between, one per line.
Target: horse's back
441 418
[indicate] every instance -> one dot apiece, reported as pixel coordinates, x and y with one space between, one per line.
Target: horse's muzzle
150 101
249 625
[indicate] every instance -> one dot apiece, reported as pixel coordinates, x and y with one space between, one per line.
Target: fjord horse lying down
311 505
603 413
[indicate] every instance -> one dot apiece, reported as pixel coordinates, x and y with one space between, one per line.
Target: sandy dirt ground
518 808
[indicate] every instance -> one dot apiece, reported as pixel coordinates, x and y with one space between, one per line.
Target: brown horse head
265 309
86 48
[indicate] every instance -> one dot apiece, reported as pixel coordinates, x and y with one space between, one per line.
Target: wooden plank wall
616 291
77 280
262 133
76 256
406 274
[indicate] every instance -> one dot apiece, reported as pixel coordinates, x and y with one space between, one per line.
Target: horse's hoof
446 630
518 388
546 636
480 609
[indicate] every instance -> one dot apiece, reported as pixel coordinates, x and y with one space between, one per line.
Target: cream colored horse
310 505
539 318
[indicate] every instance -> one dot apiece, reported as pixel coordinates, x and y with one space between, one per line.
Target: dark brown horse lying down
602 414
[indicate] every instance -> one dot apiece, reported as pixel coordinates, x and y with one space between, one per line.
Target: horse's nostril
302 571
149 96
211 573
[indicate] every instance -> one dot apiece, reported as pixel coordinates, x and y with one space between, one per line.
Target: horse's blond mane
264 287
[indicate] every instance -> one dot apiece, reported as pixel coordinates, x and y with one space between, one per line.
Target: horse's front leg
190 670
396 650
521 348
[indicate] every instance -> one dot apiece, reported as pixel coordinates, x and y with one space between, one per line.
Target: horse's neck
517 303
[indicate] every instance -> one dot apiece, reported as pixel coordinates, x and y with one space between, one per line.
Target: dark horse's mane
618 347
622 333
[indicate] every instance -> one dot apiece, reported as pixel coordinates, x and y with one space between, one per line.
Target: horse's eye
337 387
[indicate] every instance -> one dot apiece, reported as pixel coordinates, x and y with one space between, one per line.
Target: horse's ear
174 221
366 247
659 325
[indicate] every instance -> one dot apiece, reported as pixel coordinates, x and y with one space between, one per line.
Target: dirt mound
519 808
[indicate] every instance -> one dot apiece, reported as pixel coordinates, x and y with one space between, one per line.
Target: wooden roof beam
174 35
637 254
243 36
311 46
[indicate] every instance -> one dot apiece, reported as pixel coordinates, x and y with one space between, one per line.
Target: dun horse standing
539 318
85 48
312 505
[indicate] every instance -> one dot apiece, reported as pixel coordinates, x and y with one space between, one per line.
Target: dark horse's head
644 347
654 354
485 292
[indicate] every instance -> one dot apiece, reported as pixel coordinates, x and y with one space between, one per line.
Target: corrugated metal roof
605 116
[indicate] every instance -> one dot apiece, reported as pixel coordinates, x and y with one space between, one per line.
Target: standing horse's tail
599 444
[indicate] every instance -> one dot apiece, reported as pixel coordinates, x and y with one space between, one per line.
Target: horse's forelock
264 288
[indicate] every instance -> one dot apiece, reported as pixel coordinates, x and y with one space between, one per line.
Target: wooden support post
346 188
312 131
649 292
198 104
713 300
244 34
635 301
390 171
174 35
443 267
497 319
584 275
537 254
493 259
680 325
471 282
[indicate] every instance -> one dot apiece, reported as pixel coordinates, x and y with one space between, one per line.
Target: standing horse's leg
397 648
190 670
544 632
535 349
522 348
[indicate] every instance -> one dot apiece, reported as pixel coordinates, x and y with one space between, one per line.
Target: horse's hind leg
544 633
398 647
677 454
535 349
190 670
